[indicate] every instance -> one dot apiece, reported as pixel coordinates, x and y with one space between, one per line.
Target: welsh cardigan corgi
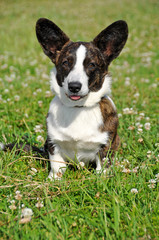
82 120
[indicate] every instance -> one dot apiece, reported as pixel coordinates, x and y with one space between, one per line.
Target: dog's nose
74 87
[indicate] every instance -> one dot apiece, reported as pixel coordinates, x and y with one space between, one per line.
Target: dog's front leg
58 166
98 164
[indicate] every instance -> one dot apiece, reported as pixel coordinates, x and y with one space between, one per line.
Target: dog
82 120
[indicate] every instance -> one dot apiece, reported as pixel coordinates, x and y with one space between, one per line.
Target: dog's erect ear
51 37
112 39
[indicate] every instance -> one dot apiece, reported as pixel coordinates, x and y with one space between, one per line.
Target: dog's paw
56 176
98 171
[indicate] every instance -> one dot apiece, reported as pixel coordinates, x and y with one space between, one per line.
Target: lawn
123 202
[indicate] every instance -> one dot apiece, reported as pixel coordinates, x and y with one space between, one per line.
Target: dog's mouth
75 97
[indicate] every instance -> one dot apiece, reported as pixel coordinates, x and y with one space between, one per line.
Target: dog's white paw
98 171
56 176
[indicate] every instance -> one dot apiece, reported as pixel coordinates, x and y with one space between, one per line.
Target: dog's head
80 77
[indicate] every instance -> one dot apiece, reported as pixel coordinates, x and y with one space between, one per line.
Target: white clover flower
26 115
140 140
6 90
127 78
33 172
13 76
40 103
147 118
131 128
127 81
82 164
142 114
157 177
140 130
45 76
26 213
25 85
16 98
120 165
18 196
40 138
124 145
38 128
154 85
17 192
149 153
139 125
136 95
12 206
125 161
119 115
30 177
135 170
152 181
145 80
34 62
48 94
25 220
134 190
126 170
147 126
39 204
128 111
138 118
152 185
39 90
105 159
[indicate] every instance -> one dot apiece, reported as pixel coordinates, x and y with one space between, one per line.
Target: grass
83 205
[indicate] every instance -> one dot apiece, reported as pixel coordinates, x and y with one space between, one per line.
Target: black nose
74 87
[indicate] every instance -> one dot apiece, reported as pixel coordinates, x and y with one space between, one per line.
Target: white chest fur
75 130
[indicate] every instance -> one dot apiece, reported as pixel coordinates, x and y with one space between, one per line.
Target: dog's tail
25 147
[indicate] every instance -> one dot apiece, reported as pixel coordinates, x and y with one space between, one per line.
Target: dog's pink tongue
75 98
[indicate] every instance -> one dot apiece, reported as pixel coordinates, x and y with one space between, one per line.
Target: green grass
83 205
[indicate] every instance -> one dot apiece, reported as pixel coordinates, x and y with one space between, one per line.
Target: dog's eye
92 66
65 63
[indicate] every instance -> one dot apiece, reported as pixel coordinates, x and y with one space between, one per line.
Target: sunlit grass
121 204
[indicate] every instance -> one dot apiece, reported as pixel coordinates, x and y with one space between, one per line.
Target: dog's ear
51 37
112 39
